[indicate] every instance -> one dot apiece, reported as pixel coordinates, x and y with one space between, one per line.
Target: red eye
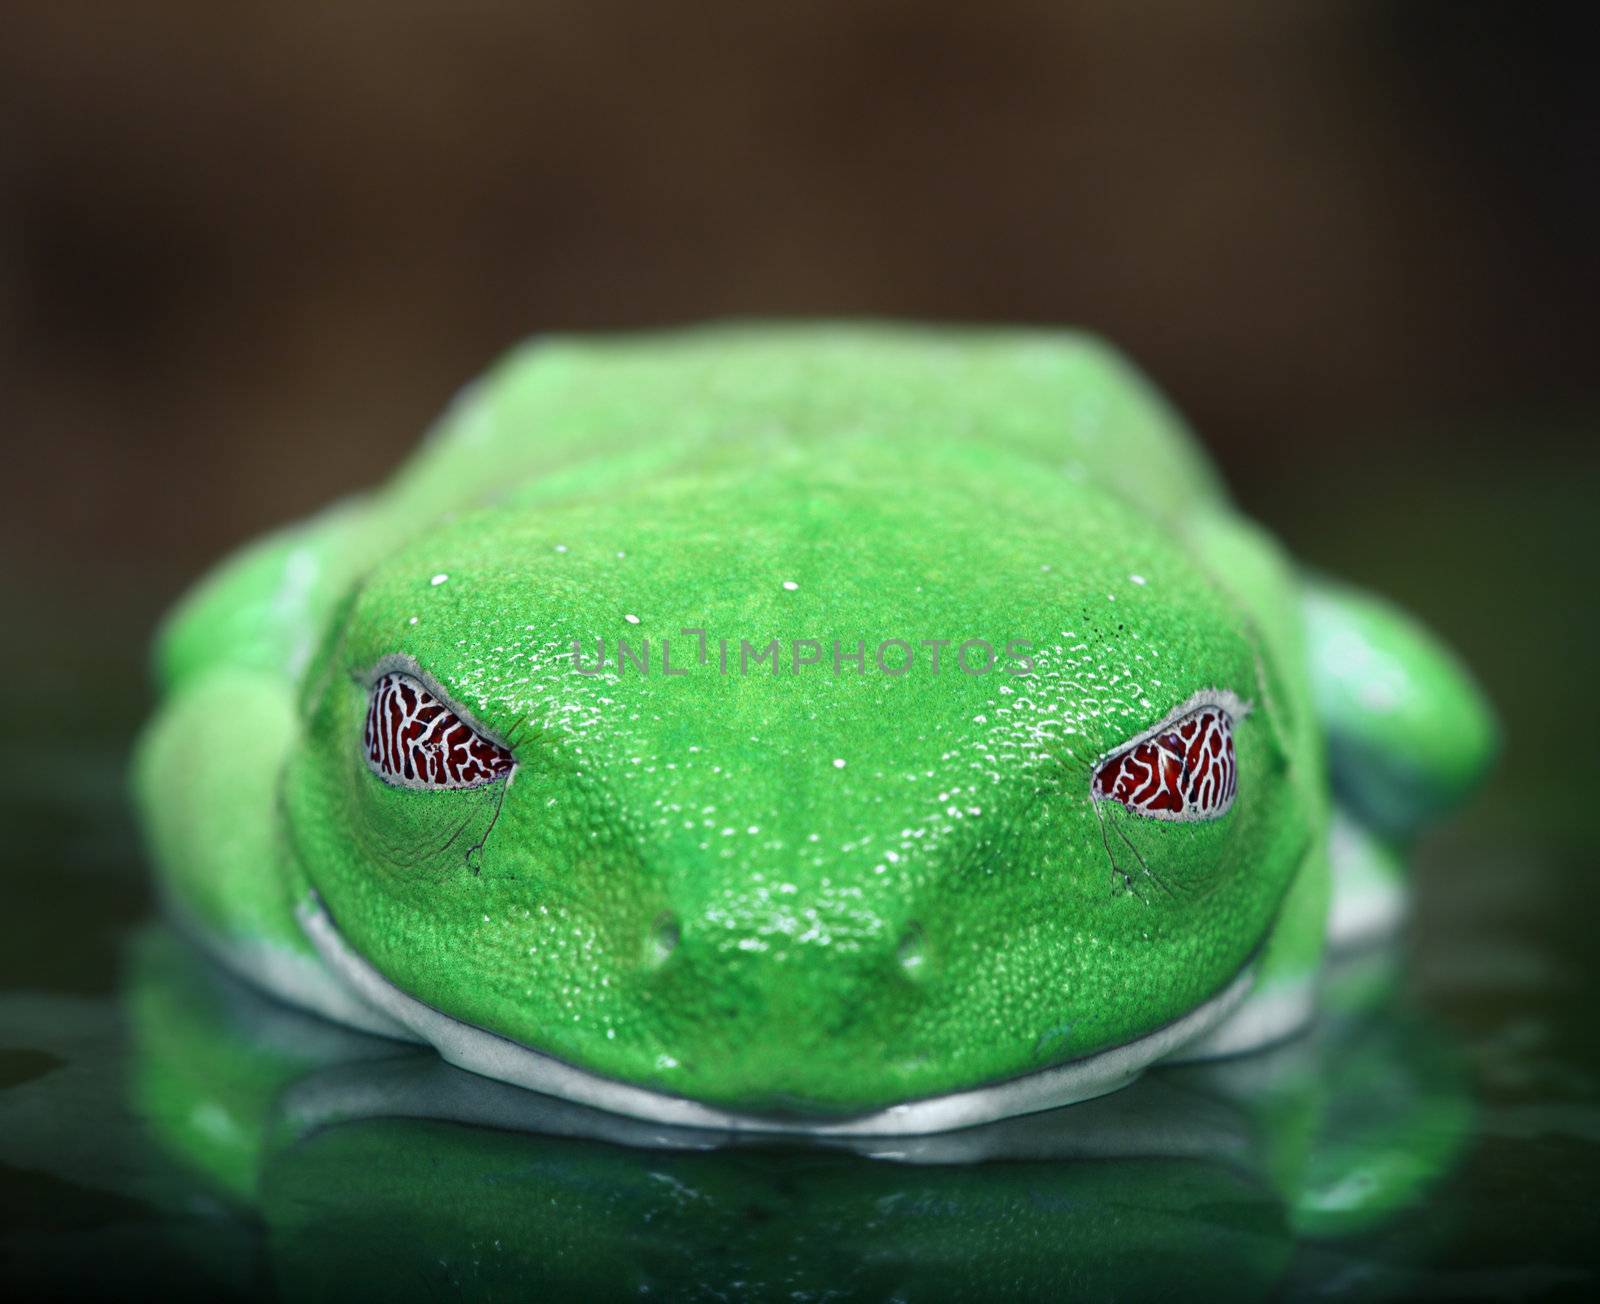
415 740
1185 770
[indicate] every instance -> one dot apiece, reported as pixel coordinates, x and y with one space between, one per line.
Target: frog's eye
416 741
1183 770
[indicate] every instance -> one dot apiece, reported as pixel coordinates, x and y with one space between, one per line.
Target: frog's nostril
912 952
663 939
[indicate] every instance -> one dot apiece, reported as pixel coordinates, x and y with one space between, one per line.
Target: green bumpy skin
818 889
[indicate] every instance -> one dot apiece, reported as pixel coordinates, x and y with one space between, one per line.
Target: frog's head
825 889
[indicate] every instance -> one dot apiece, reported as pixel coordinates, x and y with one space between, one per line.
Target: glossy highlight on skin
700 886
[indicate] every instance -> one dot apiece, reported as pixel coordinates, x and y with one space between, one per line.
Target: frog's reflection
383 1173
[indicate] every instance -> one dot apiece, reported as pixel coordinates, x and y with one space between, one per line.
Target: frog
840 728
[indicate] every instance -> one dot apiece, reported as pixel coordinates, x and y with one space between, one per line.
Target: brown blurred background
247 251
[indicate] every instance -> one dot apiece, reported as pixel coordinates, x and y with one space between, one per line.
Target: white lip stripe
486 1053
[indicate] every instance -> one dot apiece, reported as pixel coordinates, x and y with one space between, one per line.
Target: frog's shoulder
261 608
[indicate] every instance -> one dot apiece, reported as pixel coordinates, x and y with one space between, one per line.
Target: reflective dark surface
193 1135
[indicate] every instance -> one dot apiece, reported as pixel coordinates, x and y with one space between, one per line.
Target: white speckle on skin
438 579
790 585
412 621
1136 579
838 762
561 547
631 618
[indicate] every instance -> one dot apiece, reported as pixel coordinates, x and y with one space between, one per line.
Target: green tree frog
836 728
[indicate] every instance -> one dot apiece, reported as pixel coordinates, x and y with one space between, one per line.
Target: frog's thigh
1369 886
1409 734
206 776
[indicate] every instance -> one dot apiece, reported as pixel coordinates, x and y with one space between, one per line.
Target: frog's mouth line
487 1053
1134 1124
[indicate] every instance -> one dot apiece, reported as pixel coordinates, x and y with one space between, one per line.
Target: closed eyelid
414 740
1185 770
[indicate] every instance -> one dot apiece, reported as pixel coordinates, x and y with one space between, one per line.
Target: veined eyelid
1182 768
416 738
1225 699
404 663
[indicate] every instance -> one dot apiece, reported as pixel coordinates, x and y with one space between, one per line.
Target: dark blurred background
248 251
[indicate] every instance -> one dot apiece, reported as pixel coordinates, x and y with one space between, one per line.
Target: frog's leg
206 771
1408 734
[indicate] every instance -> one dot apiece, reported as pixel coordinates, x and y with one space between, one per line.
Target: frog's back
565 418
583 413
